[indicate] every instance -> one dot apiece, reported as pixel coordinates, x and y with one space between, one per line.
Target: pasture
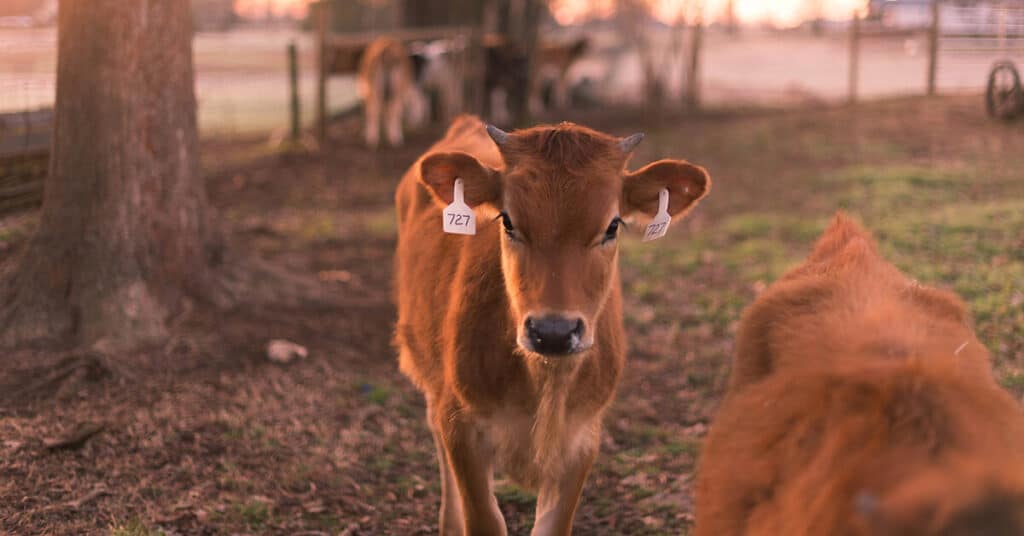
205 436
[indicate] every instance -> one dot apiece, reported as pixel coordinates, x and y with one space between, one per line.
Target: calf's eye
506 222
613 230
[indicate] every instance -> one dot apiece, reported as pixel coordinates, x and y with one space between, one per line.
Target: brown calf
861 403
385 82
515 335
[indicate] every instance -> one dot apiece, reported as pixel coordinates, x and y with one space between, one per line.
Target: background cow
507 77
515 334
386 84
861 403
439 71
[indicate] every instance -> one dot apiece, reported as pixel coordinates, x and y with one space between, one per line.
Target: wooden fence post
693 76
293 82
321 18
854 56
933 48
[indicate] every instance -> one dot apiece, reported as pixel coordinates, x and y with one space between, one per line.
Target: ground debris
76 438
284 351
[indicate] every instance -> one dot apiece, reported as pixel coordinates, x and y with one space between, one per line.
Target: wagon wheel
1004 97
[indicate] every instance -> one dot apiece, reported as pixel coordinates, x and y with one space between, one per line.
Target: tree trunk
125 230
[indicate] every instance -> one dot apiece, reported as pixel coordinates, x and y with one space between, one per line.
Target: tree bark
125 231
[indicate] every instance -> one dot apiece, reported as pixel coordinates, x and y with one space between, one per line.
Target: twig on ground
76 438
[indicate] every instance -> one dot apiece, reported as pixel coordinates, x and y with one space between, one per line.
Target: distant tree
125 231
213 15
634 18
730 17
816 16
418 13
662 52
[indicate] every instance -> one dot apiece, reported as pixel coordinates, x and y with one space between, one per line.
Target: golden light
781 13
259 8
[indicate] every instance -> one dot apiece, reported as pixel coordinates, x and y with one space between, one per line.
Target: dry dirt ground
204 436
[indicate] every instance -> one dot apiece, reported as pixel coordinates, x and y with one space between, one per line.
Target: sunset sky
258 8
778 12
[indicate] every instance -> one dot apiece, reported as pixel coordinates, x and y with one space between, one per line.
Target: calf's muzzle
554 334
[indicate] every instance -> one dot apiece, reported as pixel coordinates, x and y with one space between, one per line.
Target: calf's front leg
558 498
471 460
451 518
372 112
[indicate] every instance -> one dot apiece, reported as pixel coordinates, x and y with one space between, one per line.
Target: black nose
554 334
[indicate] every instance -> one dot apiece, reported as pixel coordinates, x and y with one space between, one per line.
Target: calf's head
559 203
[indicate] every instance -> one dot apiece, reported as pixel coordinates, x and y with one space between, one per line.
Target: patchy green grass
377 393
381 223
511 493
251 514
688 447
319 227
134 527
947 227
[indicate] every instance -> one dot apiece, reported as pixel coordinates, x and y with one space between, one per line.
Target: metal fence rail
24 152
25 132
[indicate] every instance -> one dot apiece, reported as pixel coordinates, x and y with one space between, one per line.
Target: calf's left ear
687 184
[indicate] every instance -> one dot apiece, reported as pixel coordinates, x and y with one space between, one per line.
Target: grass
924 224
133 527
689 448
508 492
251 514
376 393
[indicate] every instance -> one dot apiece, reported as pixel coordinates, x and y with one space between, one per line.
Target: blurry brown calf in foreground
861 403
514 334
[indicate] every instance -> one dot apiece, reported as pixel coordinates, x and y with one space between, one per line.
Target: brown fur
861 403
462 301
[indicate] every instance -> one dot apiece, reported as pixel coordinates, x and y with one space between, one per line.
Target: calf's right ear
482 184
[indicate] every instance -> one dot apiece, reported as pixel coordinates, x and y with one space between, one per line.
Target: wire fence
243 87
242 75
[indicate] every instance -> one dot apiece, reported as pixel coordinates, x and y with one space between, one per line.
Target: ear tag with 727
458 217
659 225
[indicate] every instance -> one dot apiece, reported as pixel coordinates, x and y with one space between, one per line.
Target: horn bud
499 136
629 143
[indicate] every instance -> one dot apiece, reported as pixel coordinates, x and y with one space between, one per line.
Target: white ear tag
458 217
659 225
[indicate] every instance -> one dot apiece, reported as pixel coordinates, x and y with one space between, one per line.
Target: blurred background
775 53
271 68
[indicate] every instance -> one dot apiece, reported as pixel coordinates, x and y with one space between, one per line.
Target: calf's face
560 201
